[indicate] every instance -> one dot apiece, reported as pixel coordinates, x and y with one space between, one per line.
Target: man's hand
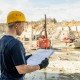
44 63
28 56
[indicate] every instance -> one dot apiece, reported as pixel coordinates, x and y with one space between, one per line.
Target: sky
61 10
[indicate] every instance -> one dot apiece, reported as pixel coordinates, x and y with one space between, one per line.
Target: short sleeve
18 54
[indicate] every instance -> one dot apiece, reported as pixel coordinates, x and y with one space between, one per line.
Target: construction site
39 39
64 39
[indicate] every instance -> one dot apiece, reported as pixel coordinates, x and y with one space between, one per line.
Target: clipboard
39 55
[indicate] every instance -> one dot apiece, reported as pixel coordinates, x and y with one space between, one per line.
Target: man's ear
16 26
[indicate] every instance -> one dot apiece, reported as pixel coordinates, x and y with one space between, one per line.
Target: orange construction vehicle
44 42
69 39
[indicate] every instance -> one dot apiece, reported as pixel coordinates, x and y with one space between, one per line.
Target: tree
54 20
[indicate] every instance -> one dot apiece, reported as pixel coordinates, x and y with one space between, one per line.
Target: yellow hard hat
14 16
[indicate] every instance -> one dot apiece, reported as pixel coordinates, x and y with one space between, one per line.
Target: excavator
43 42
69 38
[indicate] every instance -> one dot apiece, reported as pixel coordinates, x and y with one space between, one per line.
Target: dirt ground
64 64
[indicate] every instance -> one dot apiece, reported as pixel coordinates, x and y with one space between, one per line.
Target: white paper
39 55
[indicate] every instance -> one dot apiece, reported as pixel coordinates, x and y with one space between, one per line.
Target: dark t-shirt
13 55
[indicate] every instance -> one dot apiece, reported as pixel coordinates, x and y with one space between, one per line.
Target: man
13 59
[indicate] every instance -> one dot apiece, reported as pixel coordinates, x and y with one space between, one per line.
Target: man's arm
23 69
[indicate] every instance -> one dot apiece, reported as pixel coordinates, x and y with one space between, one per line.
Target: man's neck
11 33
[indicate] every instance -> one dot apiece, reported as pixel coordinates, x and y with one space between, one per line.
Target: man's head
16 21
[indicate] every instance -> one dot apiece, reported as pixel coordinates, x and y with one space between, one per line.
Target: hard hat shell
15 16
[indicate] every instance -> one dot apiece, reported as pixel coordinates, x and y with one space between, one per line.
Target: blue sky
35 9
